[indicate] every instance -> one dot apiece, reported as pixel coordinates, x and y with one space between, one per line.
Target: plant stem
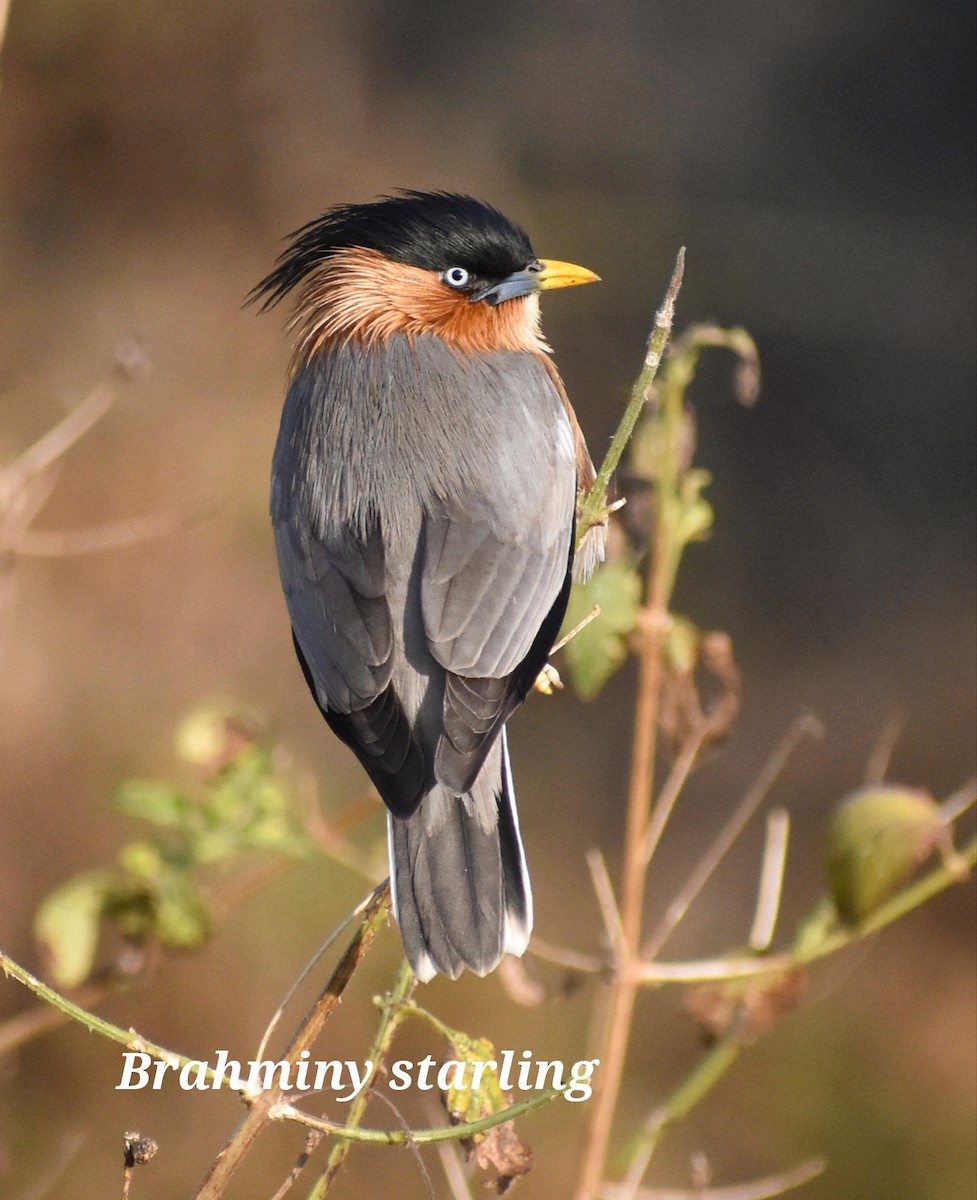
423 1137
393 1011
593 505
703 1078
125 1037
652 625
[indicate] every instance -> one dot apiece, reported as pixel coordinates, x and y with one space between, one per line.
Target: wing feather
334 588
495 569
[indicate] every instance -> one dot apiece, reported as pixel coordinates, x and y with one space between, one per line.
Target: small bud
548 680
212 736
139 1150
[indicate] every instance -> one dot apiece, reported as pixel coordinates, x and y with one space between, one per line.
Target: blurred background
817 159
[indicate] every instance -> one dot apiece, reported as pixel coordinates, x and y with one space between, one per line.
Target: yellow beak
562 274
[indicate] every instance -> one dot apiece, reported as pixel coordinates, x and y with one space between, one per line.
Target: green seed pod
877 837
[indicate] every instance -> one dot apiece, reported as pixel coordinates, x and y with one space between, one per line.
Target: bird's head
417 263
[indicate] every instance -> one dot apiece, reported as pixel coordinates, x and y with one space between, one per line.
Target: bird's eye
457 277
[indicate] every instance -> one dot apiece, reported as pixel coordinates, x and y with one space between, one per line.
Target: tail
458 876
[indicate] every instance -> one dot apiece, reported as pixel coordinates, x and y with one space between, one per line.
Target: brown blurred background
817 158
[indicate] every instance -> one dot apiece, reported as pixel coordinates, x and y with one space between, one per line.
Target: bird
424 494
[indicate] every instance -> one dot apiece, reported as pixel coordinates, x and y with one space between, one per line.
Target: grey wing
494 585
335 588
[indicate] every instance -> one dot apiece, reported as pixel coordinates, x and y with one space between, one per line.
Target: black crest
432 230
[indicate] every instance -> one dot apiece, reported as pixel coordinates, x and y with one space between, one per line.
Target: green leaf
67 925
132 910
696 515
601 647
682 640
815 926
876 839
467 1103
695 521
215 845
149 800
247 807
181 918
143 860
649 445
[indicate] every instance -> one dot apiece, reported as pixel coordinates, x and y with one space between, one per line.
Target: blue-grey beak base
519 283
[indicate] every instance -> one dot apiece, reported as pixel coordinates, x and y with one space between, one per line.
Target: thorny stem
24 1027
624 988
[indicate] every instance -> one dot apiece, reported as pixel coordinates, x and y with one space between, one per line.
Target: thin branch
264 1106
805 726
548 680
420 1137
560 956
112 535
771 880
939 879
375 913
414 1149
24 1027
304 973
604 892
48 448
593 505
671 789
520 985
877 766
757 1189
312 1140
703 1078
138 1150
956 805
22 506
572 633
94 1024
453 1173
